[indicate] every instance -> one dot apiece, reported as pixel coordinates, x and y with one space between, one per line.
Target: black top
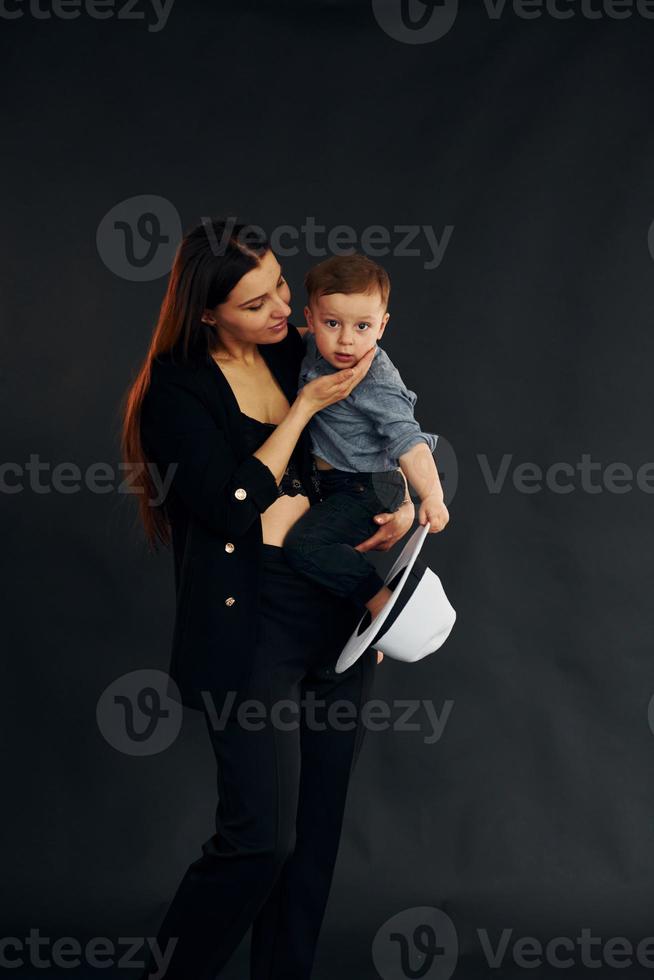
215 491
255 432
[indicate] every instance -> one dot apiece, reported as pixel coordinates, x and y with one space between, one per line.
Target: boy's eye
331 323
364 325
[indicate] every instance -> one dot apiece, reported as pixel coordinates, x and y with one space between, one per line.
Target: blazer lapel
282 369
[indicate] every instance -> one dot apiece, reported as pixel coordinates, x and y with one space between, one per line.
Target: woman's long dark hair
209 262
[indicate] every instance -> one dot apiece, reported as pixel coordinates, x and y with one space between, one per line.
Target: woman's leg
258 760
281 791
286 930
221 892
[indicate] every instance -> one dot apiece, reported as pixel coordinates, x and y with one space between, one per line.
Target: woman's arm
317 394
393 527
276 451
180 436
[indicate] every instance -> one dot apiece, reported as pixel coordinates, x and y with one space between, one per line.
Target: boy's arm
390 406
420 470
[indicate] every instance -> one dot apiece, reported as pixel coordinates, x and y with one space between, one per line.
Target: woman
215 418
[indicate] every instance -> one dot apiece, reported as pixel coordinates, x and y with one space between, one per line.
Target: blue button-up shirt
369 430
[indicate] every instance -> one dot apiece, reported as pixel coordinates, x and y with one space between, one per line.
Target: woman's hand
394 526
331 388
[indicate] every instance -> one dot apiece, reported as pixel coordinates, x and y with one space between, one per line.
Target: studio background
529 339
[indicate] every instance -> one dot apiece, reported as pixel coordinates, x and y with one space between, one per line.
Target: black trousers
283 770
320 544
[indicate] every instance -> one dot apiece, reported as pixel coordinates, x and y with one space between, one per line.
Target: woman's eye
259 306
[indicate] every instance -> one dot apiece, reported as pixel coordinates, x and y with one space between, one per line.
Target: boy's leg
320 545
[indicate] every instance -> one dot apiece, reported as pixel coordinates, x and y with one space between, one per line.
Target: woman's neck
246 355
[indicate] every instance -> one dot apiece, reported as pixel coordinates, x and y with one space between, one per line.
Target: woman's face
257 309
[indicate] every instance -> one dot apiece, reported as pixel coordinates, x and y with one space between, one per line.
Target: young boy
358 441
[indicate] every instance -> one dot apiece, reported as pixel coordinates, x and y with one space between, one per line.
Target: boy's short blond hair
347 274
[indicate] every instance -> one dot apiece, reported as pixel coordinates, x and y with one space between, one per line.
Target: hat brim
362 637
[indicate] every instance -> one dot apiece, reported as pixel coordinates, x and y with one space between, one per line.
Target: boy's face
346 326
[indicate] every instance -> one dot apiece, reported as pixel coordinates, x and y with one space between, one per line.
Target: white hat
416 620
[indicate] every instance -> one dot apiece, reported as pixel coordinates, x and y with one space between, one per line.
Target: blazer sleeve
178 431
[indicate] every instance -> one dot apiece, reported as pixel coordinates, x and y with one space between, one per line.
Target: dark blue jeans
320 545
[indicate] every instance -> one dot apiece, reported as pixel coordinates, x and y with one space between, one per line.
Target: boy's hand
433 509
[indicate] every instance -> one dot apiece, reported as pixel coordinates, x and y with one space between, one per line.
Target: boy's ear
386 317
309 318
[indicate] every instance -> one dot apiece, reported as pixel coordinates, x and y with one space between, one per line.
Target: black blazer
190 417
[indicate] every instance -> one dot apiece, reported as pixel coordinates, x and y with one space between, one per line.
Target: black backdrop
524 145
